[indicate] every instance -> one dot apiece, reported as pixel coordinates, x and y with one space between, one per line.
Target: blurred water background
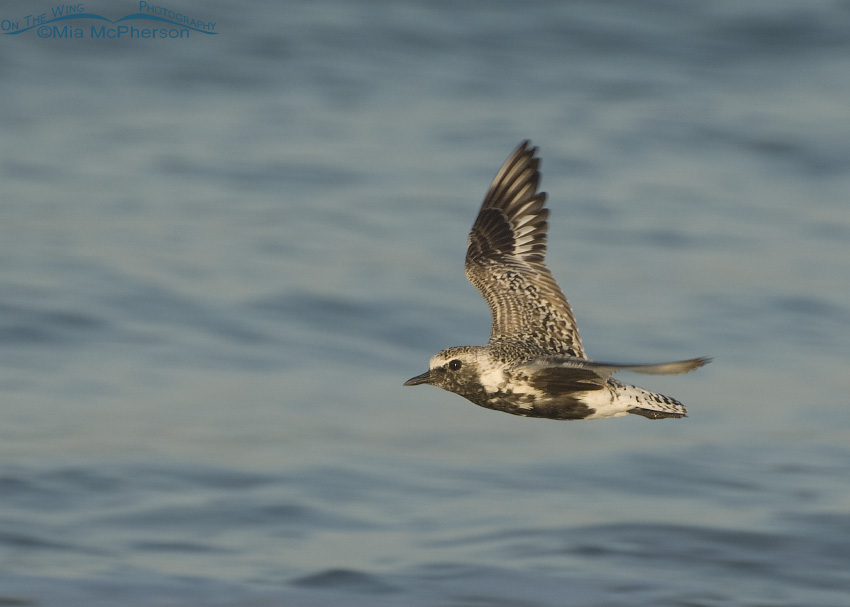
221 256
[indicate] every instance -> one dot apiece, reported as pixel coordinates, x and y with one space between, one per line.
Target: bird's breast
493 380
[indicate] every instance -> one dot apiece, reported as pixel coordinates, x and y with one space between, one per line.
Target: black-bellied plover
534 364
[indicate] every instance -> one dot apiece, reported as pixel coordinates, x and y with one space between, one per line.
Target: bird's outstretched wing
505 261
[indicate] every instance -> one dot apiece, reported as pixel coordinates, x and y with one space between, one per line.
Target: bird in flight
534 364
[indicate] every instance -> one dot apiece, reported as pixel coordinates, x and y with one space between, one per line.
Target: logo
72 22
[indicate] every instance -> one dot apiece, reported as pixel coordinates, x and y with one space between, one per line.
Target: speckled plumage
534 364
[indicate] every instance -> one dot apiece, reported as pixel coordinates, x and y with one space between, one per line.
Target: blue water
221 256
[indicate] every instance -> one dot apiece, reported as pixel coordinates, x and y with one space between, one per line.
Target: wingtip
525 148
673 368
685 366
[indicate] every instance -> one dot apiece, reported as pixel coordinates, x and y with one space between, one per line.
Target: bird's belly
604 404
530 402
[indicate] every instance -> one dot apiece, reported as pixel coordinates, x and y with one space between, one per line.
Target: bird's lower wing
606 370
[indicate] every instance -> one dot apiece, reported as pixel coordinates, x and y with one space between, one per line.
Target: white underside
605 403
616 402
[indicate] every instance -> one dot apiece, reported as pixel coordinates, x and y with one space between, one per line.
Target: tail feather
655 414
648 404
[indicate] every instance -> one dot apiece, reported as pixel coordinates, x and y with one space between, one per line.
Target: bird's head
455 369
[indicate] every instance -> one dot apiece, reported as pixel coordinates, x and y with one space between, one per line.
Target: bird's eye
454 364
